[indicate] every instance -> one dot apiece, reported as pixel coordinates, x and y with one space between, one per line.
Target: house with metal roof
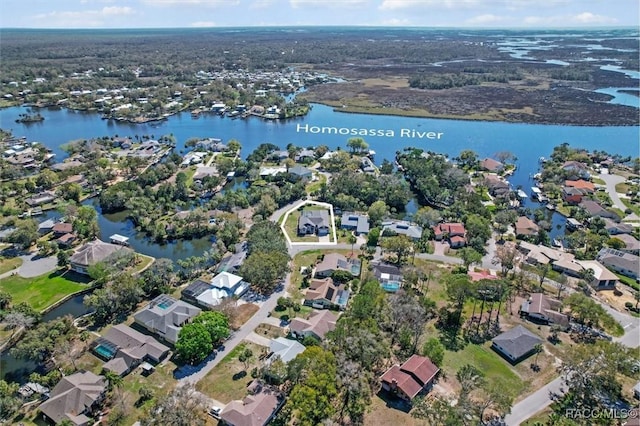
402 227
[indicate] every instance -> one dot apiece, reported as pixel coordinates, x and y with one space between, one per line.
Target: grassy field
316 185
229 379
9 263
497 371
143 263
304 312
44 290
291 226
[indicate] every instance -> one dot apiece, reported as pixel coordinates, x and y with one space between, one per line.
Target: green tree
377 212
85 223
373 237
245 357
427 217
434 350
216 323
263 270
9 401
469 256
183 406
400 245
194 343
357 145
234 146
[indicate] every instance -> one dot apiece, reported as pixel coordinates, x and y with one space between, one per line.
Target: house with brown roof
318 325
525 226
254 410
332 262
496 185
416 375
584 186
542 308
325 294
66 240
59 229
491 165
454 232
595 209
92 253
572 195
75 398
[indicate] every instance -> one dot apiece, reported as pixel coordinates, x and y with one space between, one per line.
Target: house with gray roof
336 262
595 209
631 244
623 263
285 349
165 317
313 222
356 222
615 228
125 348
304 155
300 172
318 325
402 227
75 399
92 253
231 263
40 199
516 344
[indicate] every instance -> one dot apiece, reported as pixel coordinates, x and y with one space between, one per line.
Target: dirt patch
617 298
242 314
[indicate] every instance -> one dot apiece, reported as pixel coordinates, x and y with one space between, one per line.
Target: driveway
611 181
33 265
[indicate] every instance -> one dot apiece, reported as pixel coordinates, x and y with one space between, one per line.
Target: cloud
584 18
84 18
394 22
422 4
209 3
202 24
260 4
486 19
327 3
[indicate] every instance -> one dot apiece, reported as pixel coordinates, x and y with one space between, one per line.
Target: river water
323 125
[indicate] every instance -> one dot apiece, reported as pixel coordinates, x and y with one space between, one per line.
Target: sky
232 13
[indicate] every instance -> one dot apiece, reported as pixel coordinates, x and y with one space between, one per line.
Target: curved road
611 181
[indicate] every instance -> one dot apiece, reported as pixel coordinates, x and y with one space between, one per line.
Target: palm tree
113 379
352 241
538 349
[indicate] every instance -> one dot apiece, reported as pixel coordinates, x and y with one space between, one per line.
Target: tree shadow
239 375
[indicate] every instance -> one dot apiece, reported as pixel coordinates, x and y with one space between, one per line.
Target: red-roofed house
584 186
59 229
409 379
453 232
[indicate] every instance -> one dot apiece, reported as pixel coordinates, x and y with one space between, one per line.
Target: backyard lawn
9 263
44 290
229 379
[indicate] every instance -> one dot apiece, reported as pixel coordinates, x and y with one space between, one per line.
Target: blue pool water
390 286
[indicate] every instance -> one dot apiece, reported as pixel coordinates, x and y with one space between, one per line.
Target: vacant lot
9 263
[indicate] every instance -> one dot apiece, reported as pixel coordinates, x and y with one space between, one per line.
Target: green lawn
630 205
629 281
8 264
316 185
496 370
44 290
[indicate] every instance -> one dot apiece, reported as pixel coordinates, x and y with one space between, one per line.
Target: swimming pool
390 286
105 351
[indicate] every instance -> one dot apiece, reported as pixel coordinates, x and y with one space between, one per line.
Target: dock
119 239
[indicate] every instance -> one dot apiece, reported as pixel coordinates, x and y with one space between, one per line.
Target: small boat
521 194
557 243
550 206
536 193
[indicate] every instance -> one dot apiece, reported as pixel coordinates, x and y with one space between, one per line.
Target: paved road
33 265
611 181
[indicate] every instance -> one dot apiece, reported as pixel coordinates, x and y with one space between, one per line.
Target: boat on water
521 194
557 243
535 192
550 206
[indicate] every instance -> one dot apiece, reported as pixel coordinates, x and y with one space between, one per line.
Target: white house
222 286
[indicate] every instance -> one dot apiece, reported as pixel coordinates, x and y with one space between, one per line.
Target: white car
215 412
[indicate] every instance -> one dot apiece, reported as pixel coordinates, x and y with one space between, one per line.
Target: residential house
165 316
66 240
402 227
285 349
491 165
305 155
318 325
313 222
542 308
325 294
192 291
573 224
279 155
232 262
211 144
455 233
92 253
389 276
66 165
356 222
584 186
413 377
631 244
571 195
526 227
203 172
516 344
576 169
603 279
75 398
300 173
366 165
253 410
336 262
497 186
46 226
125 348
40 199
615 228
595 209
537 254
623 263
222 286
271 171
59 229
77 179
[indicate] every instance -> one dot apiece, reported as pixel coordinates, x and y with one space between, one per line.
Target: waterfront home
573 224
40 199
271 171
75 399
525 227
92 253
516 344
211 144
285 349
325 294
203 172
356 222
300 173
615 228
254 410
595 209
402 227
317 325
576 169
623 263
542 308
278 155
232 262
59 229
305 155
491 165
125 348
313 222
165 317
222 286
496 185
332 262
66 240
46 226
415 376
584 186
571 195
